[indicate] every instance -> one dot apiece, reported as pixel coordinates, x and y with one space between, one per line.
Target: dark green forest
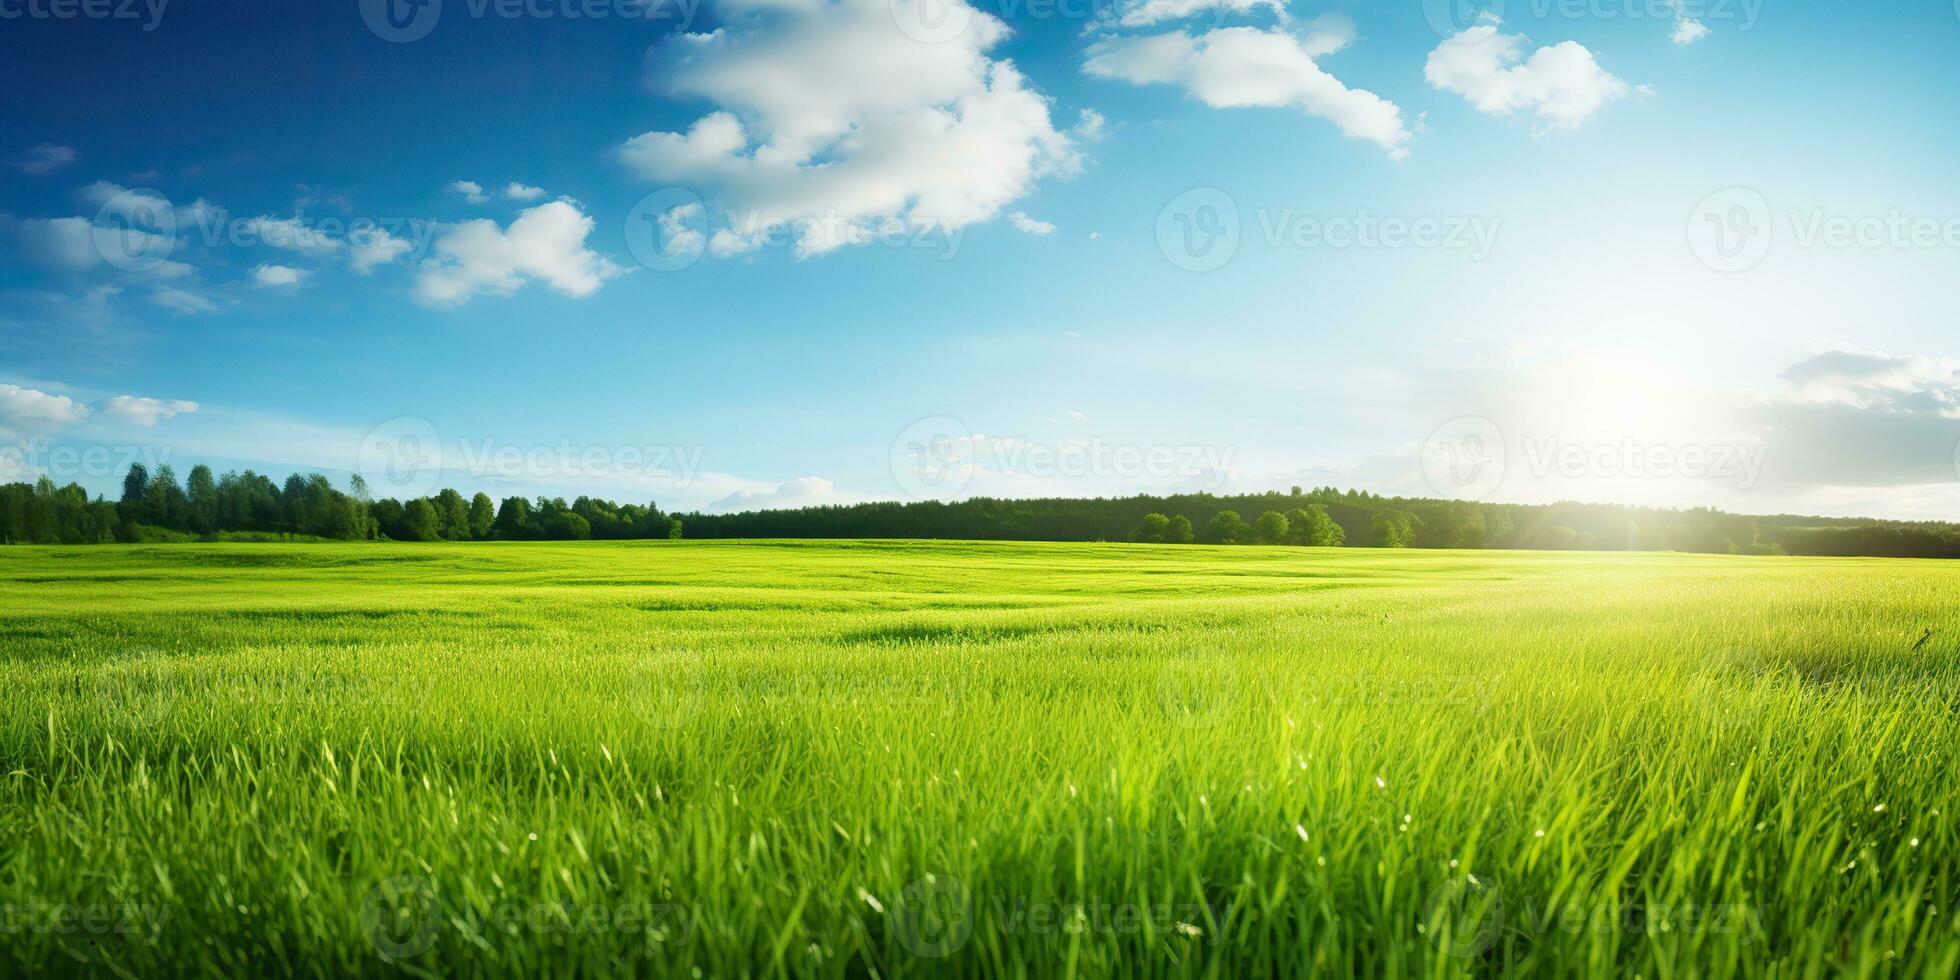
157 508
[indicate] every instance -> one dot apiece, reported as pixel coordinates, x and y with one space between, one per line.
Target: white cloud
470 190
62 243
29 407
545 243
1561 84
831 119
1144 13
1241 67
522 192
145 412
1032 226
1095 235
803 491
1687 28
39 161
1077 415
182 301
372 247
278 275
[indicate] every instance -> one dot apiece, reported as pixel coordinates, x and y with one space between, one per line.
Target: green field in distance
922 759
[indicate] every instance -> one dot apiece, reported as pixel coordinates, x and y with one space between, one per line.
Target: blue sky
1030 316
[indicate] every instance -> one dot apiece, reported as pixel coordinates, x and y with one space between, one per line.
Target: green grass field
899 759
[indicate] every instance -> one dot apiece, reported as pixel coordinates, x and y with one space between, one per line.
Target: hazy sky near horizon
760 253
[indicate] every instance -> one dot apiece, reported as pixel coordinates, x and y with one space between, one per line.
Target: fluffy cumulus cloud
371 247
61 243
127 224
831 119
32 410
1561 84
544 244
1687 28
1240 67
1031 226
28 408
146 412
803 491
522 192
278 275
1852 418
469 190
44 159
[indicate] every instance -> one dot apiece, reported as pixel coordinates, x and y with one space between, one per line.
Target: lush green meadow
899 759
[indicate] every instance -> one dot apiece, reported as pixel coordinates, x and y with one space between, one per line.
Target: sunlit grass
980 759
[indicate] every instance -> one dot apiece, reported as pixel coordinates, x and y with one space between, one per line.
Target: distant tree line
1327 517
156 507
